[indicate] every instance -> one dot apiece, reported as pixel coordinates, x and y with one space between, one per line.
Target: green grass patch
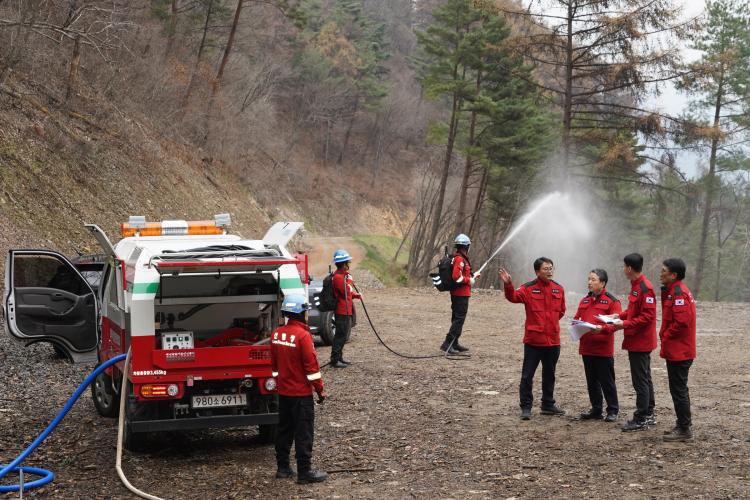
379 258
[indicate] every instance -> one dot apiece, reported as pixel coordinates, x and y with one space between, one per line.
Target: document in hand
605 319
580 328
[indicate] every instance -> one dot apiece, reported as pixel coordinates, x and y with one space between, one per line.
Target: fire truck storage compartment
215 310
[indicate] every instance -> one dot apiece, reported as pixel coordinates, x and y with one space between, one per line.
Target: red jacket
639 319
545 305
598 342
343 290
295 364
677 332
462 275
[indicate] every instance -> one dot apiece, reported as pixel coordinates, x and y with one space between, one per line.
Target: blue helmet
295 304
340 256
462 240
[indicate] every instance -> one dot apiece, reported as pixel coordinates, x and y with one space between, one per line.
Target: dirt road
424 429
321 251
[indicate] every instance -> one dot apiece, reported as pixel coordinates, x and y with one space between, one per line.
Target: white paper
580 328
605 319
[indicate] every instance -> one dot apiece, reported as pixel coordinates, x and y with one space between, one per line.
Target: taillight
159 390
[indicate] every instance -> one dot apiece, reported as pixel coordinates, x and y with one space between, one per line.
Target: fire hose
452 357
48 476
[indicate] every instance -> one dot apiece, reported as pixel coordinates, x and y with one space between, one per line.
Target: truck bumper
213 422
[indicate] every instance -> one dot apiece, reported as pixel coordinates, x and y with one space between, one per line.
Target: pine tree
719 83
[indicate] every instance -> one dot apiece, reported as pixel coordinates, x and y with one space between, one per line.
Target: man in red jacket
344 292
295 366
544 300
678 348
597 347
464 280
639 324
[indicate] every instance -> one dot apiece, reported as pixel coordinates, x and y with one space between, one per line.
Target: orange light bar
153 391
171 228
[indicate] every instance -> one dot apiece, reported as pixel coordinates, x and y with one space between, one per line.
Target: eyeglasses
547 268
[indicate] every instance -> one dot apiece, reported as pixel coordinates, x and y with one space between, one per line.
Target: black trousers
640 374
678 387
532 356
459 309
343 325
600 379
296 424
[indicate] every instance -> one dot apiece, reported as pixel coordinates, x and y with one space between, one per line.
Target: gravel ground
426 429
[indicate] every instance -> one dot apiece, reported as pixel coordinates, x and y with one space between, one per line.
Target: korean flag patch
679 302
649 300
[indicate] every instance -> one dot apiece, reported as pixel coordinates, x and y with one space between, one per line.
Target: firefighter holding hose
464 280
296 368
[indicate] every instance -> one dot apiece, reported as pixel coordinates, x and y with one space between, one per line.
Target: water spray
523 222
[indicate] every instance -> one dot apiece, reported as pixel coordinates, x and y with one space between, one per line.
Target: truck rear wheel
267 432
106 400
132 441
327 327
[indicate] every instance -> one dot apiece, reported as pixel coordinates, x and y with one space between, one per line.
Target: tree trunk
452 131
75 62
463 193
709 195
478 203
171 30
230 44
568 96
201 48
718 275
348 131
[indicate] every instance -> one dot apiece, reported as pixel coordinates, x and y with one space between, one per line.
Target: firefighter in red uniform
464 280
343 290
597 347
544 300
639 338
677 336
297 372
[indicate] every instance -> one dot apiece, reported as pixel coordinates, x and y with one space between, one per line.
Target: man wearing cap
463 279
295 366
344 292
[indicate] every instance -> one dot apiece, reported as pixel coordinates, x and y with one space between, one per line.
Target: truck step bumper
213 422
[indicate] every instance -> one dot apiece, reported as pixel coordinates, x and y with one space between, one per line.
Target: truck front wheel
106 400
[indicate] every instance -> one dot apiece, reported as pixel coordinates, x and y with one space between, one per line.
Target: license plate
219 400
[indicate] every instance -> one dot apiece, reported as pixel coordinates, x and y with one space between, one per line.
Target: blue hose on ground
48 476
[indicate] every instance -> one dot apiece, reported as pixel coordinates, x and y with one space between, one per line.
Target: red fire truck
194 304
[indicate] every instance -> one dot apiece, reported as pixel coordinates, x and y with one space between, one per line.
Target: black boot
311 476
591 415
679 434
448 349
634 425
284 472
458 347
338 364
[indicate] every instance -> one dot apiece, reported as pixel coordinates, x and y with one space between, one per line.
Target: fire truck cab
195 306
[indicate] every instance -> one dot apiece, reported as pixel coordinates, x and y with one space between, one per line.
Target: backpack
443 279
326 297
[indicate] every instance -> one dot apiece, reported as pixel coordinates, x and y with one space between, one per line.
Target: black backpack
327 301
443 279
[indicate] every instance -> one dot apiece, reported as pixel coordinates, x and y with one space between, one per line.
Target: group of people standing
544 301
295 363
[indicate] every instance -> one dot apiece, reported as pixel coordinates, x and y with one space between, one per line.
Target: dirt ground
423 429
322 248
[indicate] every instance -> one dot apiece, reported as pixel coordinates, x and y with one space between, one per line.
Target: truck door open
47 300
